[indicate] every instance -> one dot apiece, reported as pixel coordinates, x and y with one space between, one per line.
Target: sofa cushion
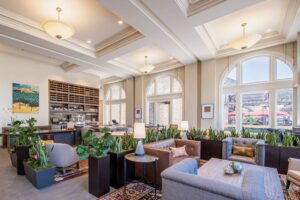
178 151
242 159
243 151
178 159
253 186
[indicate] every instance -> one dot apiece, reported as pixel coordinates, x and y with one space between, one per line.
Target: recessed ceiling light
170 57
89 41
268 30
225 42
120 22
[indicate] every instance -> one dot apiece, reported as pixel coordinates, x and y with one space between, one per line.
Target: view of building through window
251 107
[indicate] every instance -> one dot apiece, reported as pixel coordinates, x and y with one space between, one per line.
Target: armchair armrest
260 152
294 164
226 148
193 148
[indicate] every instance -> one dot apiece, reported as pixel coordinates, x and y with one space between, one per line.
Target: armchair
293 174
162 150
62 155
256 144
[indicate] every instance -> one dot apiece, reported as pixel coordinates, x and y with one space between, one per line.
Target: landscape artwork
25 98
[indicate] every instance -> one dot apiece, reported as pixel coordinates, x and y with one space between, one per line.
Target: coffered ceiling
171 33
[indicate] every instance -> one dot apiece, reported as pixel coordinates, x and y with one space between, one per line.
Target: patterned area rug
293 193
72 172
134 191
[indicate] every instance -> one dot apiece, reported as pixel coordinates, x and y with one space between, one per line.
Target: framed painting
207 111
25 99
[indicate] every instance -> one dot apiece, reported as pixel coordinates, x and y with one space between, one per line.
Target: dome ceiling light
146 68
57 28
246 41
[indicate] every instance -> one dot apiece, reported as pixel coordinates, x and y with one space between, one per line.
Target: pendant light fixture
57 28
146 68
246 41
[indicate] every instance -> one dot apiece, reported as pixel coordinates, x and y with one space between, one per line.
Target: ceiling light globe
58 29
146 68
245 42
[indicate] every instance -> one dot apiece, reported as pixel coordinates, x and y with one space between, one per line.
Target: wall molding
67 66
198 6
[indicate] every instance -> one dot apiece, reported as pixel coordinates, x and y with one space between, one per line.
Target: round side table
144 160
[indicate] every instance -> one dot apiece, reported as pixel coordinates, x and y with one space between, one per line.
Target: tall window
257 93
164 101
115 105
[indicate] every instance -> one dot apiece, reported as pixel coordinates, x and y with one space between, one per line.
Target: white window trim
272 86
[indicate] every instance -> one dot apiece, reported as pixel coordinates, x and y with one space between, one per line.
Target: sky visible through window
255 70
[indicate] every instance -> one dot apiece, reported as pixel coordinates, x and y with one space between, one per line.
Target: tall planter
22 153
285 154
39 178
272 156
211 149
117 169
99 175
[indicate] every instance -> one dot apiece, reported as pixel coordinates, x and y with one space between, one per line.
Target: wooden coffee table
214 169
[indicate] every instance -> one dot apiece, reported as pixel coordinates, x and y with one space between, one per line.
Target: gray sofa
258 145
181 182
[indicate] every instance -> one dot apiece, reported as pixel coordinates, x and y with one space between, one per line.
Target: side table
146 159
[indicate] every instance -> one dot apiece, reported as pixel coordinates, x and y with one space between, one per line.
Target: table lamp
184 127
139 132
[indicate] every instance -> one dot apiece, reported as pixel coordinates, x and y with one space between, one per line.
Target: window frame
271 86
109 102
157 98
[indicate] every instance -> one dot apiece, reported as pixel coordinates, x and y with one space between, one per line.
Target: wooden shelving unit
67 99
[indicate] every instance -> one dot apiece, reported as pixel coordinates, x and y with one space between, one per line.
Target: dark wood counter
58 136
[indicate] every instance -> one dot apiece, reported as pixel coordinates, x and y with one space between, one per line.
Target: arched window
115 105
257 93
164 101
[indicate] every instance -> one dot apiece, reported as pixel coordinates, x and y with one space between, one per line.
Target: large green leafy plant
92 146
38 157
24 134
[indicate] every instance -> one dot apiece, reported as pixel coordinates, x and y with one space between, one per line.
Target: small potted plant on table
96 151
38 170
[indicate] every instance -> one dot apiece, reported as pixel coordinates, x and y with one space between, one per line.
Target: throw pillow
179 151
243 151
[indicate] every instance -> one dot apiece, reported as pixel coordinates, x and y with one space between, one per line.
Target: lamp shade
58 29
245 41
139 131
146 68
184 126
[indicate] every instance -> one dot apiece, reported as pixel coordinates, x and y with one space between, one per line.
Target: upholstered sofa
182 182
256 144
162 150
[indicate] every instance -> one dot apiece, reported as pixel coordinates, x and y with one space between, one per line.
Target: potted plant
120 147
96 151
23 141
272 150
38 170
288 150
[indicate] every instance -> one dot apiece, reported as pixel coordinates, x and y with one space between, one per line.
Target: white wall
17 66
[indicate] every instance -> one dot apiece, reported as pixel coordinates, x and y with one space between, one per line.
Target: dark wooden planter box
99 175
272 156
39 178
211 149
285 154
117 169
22 153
